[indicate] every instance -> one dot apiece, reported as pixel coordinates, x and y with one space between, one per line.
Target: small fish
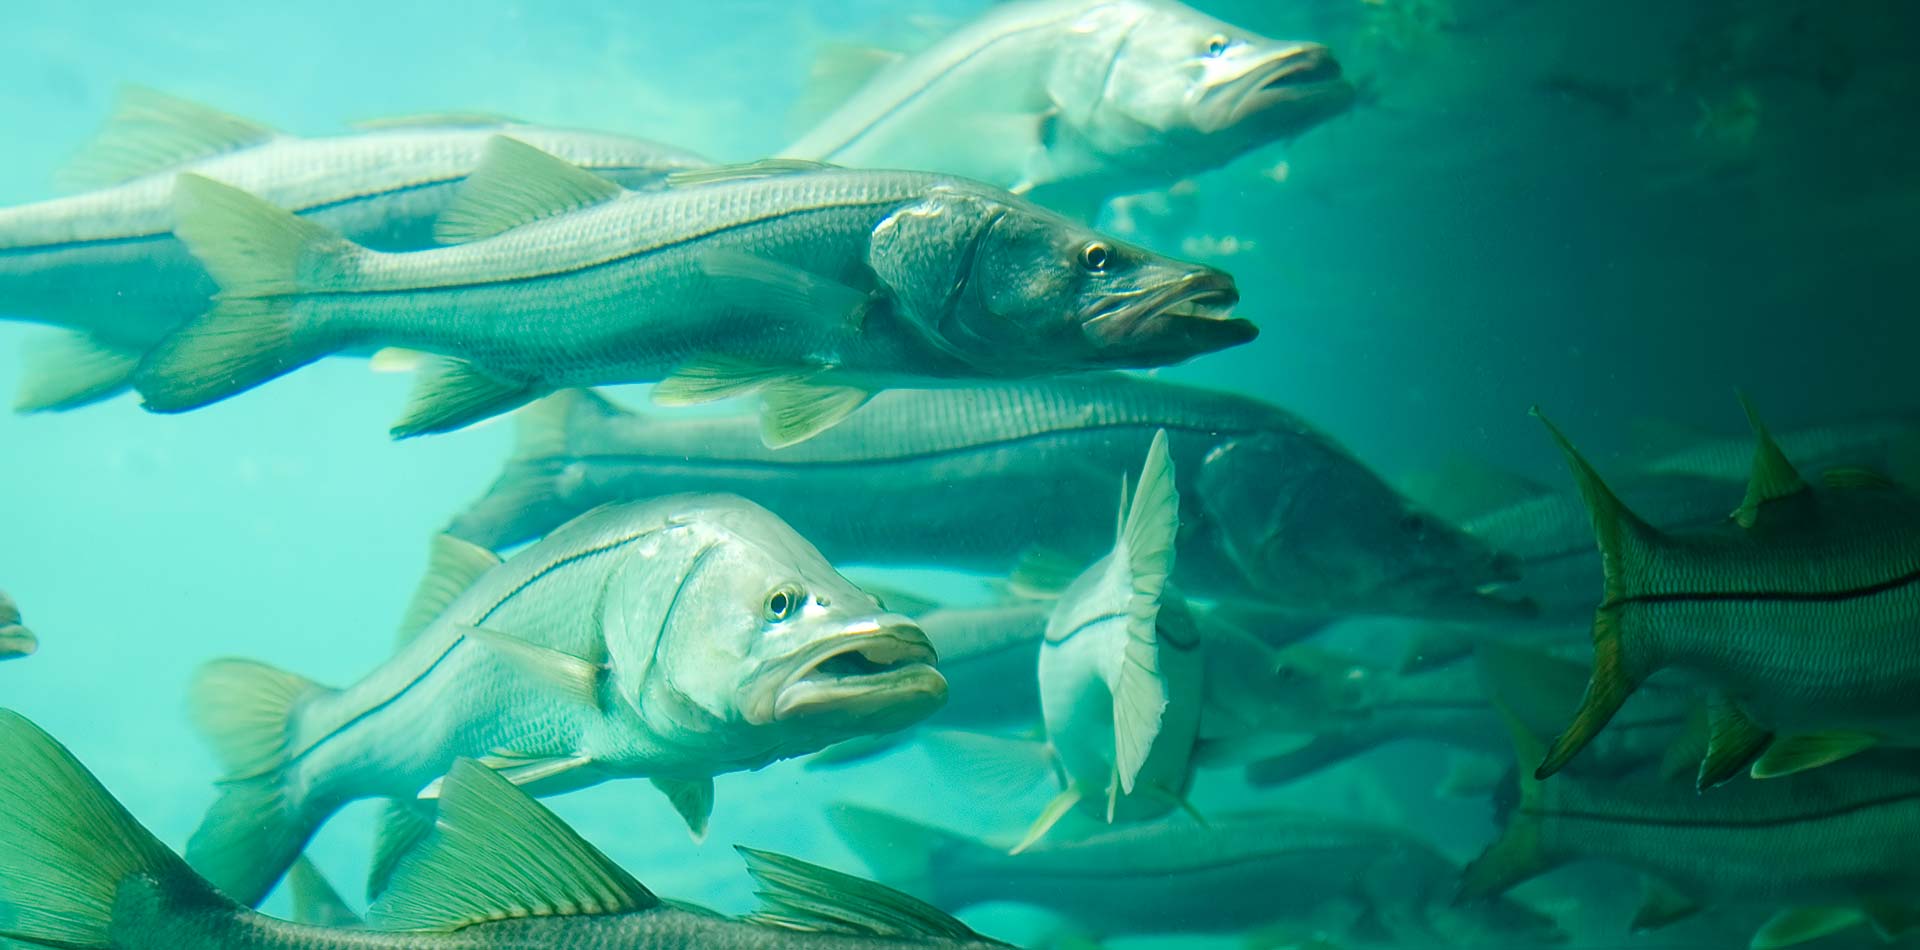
1826 850
104 265
15 640
675 639
1800 612
814 286
982 479
1121 669
1237 873
499 871
1075 101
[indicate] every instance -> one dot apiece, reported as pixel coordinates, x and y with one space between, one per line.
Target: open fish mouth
1180 319
869 671
1305 79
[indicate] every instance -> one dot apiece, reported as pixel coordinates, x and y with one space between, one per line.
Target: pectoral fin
537 775
1799 925
692 798
576 679
1809 751
796 411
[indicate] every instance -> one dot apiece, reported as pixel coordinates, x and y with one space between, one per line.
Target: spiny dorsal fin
1619 532
514 184
150 131
499 855
811 899
438 120
452 567
750 171
1144 551
1773 476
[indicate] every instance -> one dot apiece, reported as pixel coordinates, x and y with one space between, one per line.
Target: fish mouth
878 673
1305 79
1183 318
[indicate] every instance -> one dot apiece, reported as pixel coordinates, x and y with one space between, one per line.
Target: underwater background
1473 238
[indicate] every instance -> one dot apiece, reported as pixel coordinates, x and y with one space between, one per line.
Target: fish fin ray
1734 740
150 131
515 184
806 897
1056 809
315 901
453 565
452 394
1798 753
692 798
712 378
1798 925
1773 478
64 371
576 679
1145 552
795 411
403 826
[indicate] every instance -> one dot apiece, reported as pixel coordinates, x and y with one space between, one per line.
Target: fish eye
1095 256
1218 45
784 602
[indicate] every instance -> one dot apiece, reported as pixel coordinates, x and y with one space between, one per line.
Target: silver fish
675 639
104 264
1271 509
1238 872
1077 101
812 285
499 871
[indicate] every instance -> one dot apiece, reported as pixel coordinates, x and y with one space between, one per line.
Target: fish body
499 872
1238 872
15 639
1080 100
1801 612
815 283
987 655
105 263
675 639
1886 443
1271 509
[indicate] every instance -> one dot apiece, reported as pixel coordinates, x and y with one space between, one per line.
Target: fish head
1310 527
1182 92
759 633
1017 290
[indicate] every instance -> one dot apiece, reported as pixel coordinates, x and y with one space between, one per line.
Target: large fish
500 871
1238 872
1826 849
675 639
1801 612
976 479
15 639
104 264
1080 100
813 285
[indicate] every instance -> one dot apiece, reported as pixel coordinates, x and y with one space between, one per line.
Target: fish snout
1186 317
878 672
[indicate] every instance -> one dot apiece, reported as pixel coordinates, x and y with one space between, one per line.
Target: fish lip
902 683
1193 313
1305 74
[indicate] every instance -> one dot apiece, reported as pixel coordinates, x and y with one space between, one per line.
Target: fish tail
255 830
262 257
901 852
1518 853
68 850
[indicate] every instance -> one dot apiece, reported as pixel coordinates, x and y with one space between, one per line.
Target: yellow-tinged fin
67 847
452 394
438 120
1623 537
1661 905
795 411
150 131
807 898
1145 547
496 855
749 171
573 678
1517 854
315 902
516 184
1798 925
538 775
1734 740
1853 478
245 710
397 359
692 798
62 371
1798 753
1056 809
1773 478
720 377
1607 690
252 247
403 826
452 567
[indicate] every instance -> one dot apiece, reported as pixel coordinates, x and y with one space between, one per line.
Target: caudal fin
1518 853
260 255
254 831
66 847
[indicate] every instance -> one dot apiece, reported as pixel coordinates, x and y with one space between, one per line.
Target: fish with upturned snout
674 639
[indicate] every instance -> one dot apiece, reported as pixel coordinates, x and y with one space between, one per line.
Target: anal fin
68 370
796 411
452 394
1733 741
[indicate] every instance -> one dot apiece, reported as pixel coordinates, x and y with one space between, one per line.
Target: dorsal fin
150 131
514 184
438 120
765 168
452 567
1773 476
499 855
811 899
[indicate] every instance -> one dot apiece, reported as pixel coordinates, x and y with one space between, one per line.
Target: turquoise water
1465 243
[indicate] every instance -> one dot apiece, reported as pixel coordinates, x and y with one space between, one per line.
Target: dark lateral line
1810 597
442 658
1103 618
1835 812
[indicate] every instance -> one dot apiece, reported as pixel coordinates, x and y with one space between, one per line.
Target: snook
675 639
